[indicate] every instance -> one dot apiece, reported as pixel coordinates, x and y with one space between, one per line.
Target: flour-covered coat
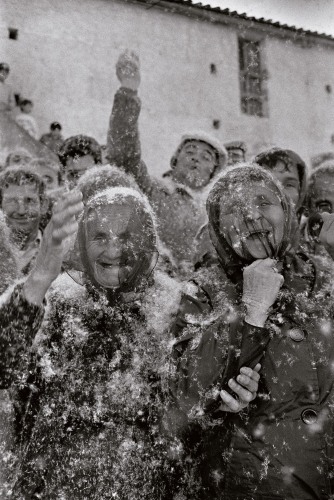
89 406
282 447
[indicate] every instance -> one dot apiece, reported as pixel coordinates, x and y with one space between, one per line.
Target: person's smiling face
107 238
118 240
253 221
21 205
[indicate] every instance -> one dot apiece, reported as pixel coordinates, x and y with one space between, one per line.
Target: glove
262 283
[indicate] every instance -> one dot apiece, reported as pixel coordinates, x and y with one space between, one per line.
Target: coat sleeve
207 356
123 140
19 323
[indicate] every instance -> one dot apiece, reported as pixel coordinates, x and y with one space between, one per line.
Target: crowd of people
9 101
165 338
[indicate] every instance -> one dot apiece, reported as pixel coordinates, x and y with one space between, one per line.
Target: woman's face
252 221
114 239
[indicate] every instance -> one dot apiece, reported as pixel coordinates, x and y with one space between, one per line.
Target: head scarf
236 178
140 249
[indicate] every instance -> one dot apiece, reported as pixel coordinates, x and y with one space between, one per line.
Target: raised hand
128 70
54 246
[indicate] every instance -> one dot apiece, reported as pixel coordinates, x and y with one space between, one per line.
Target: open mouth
109 265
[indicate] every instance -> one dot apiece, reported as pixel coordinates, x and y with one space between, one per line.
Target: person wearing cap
77 154
179 198
236 152
53 139
7 99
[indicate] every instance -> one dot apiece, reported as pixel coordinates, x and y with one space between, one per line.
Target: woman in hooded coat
88 411
281 448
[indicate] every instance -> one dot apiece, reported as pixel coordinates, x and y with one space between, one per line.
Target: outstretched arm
123 140
62 226
22 311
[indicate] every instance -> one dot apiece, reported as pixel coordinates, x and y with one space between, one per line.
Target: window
251 77
13 33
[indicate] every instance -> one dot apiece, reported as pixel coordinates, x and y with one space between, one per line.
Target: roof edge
226 16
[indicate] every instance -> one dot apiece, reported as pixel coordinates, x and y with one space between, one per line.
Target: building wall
65 55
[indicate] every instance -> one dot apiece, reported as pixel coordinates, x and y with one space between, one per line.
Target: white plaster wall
65 56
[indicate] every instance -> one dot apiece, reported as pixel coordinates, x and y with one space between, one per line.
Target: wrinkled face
22 207
195 164
76 167
252 221
235 155
50 177
323 194
288 176
115 239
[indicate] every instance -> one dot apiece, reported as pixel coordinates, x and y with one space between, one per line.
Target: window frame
252 100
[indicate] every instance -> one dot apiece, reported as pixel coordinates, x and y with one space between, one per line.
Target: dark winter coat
281 448
88 415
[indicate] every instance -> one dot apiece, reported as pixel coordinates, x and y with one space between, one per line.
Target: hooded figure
281 448
88 413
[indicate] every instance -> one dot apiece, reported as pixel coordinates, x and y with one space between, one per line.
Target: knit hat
208 139
236 145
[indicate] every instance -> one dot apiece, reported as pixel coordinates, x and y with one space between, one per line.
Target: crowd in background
164 338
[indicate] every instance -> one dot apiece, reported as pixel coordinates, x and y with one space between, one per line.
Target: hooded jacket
266 159
88 412
281 448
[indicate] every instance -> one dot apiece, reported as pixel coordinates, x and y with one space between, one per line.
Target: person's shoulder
66 289
162 301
